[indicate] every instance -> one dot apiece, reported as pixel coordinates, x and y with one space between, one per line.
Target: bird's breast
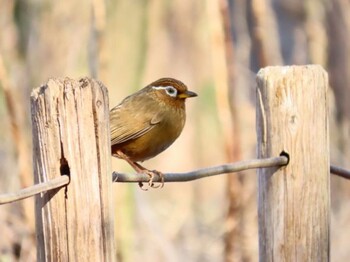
159 138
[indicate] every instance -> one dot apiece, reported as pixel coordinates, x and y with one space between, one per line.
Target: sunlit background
214 46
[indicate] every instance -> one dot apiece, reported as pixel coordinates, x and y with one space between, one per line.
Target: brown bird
147 122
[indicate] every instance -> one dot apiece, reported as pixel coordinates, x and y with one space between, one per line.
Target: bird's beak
187 94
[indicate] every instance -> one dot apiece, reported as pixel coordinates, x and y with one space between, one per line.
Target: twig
33 190
205 172
339 171
168 177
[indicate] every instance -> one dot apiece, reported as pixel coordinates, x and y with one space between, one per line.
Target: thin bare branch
205 172
33 190
168 177
339 171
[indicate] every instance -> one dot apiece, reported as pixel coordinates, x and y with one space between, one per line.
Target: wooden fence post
71 137
294 201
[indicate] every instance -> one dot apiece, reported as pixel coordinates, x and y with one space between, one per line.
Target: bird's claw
161 176
141 186
152 174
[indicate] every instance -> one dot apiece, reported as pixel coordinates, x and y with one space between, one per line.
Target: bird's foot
140 169
161 176
152 174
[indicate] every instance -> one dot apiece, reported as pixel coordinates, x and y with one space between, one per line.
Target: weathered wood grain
294 201
71 137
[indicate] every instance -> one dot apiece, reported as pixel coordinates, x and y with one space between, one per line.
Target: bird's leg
140 169
151 173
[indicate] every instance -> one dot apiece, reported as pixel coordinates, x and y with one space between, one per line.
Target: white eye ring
170 90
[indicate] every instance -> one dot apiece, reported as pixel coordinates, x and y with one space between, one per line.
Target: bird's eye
171 91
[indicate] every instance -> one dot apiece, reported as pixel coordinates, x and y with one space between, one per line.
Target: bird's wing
131 119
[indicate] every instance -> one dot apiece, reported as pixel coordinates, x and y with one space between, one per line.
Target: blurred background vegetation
215 47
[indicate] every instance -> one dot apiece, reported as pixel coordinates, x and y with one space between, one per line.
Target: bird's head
171 90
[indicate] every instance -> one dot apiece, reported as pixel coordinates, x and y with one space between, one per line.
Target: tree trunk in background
97 51
224 78
316 33
265 33
338 18
17 221
244 104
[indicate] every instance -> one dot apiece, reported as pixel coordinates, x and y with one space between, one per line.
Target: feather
126 124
